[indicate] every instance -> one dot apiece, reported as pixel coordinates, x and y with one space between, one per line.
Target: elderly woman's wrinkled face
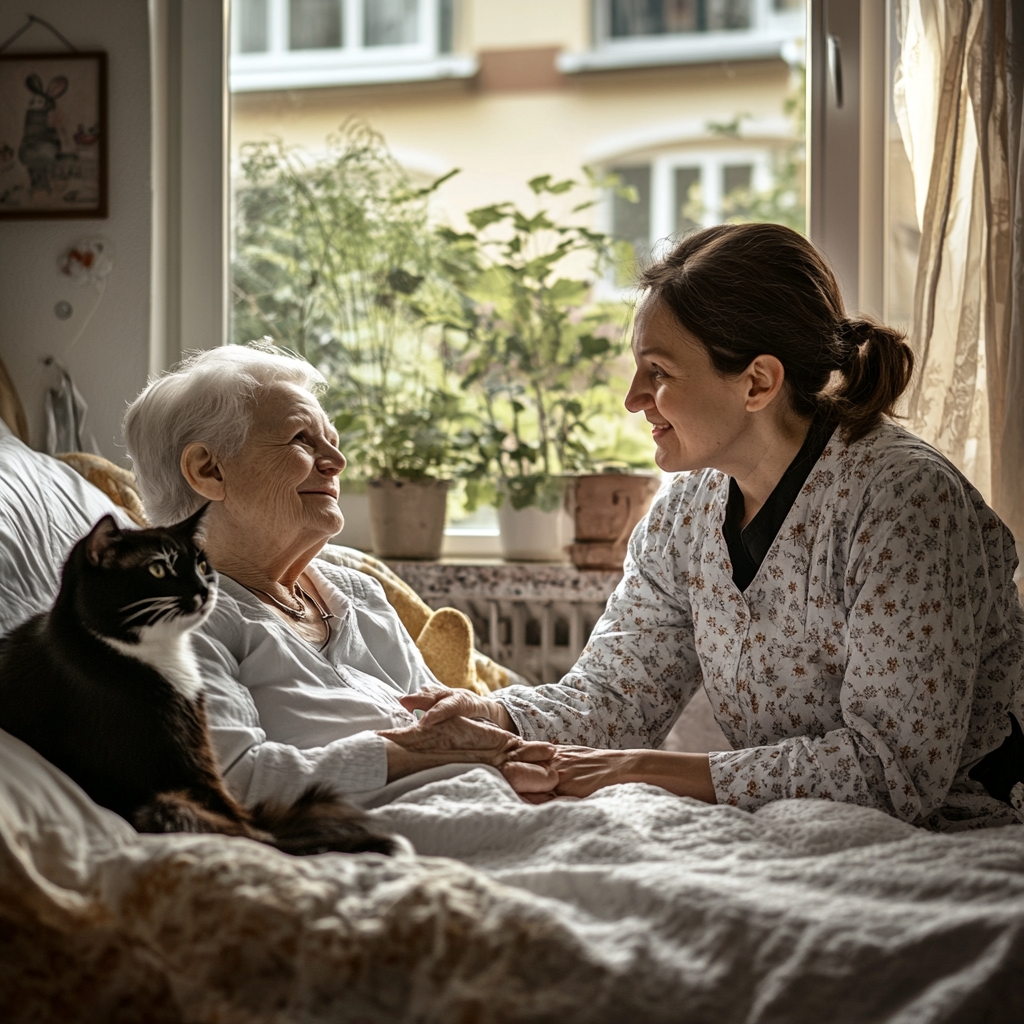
285 479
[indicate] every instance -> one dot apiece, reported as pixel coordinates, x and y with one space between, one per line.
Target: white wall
111 360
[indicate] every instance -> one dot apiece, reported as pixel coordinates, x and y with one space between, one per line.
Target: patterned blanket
632 905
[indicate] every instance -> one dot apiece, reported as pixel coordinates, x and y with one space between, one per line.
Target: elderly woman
842 593
305 663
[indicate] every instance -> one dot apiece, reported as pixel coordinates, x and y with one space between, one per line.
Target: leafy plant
336 259
535 350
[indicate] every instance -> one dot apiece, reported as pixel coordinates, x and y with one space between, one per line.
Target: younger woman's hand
583 770
530 774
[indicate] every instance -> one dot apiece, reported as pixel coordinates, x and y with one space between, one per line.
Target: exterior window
736 176
252 25
295 44
391 22
314 24
635 33
680 192
671 17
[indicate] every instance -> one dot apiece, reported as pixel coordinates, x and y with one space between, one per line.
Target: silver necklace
299 614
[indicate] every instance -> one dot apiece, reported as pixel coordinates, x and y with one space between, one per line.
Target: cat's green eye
157 570
201 566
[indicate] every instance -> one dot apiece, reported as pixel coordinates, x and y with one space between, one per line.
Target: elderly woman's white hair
209 397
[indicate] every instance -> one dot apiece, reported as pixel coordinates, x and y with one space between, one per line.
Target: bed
631 905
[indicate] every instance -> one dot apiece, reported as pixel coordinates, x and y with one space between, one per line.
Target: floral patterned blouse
872 659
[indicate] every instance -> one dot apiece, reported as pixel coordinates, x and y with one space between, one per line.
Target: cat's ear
192 526
100 538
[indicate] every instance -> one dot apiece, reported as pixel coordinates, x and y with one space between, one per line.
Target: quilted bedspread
632 905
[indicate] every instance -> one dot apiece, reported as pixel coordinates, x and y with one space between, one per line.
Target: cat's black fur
78 684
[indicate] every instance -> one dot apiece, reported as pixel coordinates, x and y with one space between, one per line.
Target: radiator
540 640
534 619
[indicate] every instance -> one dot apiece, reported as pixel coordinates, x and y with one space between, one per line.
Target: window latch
835 68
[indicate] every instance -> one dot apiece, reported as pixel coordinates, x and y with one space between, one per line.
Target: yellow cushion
444 637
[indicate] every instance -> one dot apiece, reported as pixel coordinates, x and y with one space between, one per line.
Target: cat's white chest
167 649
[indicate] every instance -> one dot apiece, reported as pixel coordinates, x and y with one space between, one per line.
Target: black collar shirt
749 545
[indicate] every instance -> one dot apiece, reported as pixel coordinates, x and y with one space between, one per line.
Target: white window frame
353 63
712 163
711 160
770 33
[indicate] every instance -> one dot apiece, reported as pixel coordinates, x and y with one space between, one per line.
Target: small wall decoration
53 135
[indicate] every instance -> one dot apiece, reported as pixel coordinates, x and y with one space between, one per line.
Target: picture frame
53 136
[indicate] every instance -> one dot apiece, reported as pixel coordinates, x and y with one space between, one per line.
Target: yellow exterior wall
500 139
503 24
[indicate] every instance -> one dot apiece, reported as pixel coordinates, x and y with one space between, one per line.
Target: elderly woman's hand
527 769
442 703
462 740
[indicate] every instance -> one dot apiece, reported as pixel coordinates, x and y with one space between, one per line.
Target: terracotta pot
407 517
608 507
530 535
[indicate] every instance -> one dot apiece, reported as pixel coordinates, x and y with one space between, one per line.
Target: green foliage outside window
336 260
472 354
543 361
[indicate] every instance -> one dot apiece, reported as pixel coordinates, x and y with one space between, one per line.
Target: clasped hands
460 726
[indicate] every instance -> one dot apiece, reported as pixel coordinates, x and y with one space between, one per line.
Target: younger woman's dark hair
744 290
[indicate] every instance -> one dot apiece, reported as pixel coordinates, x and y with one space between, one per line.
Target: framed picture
53 135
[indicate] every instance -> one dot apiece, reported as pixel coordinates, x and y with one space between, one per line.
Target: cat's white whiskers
153 606
164 645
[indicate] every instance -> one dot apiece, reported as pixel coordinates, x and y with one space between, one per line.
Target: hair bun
849 336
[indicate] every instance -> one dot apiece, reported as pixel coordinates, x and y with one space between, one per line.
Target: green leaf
591 346
486 215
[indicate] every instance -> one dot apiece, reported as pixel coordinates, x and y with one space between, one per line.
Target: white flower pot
529 535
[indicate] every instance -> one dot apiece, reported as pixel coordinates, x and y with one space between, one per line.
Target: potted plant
539 355
337 260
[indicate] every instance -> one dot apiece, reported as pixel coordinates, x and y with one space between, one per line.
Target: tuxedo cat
106 687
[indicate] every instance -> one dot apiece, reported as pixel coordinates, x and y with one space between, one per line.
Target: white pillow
45 507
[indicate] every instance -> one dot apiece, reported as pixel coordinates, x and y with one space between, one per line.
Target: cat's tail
179 811
319 822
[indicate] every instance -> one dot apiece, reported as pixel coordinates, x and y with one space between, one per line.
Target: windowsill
485 578
709 47
472 544
283 74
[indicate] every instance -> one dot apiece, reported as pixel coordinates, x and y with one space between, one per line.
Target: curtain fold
959 104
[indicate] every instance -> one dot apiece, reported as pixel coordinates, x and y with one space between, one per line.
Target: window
391 22
287 44
251 17
637 32
669 17
683 191
314 24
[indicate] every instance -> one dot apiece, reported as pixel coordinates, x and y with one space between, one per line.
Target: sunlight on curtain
951 98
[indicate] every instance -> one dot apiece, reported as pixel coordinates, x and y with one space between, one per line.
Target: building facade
684 99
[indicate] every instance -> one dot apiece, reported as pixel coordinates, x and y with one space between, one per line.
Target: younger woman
842 593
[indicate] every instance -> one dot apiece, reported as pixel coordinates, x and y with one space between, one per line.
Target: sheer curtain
958 94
